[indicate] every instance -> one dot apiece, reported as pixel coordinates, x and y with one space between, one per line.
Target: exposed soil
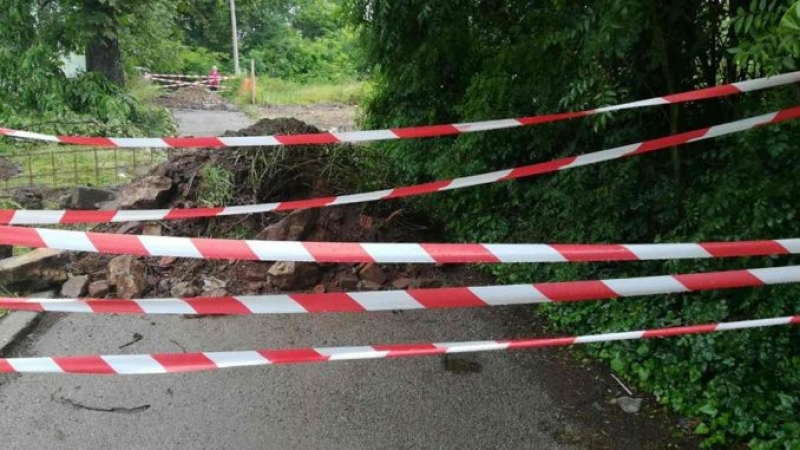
195 98
267 175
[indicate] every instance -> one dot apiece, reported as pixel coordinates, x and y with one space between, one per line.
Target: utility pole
235 33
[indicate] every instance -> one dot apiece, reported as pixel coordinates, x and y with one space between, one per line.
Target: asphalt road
518 400
392 404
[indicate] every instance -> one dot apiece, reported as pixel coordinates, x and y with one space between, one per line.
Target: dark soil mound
270 174
193 97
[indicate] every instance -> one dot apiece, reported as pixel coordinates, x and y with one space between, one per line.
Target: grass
273 91
144 91
58 166
216 186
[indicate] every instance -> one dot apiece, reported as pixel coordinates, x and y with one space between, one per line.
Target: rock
148 192
319 289
152 229
152 280
294 227
373 273
129 275
184 289
64 201
213 284
111 205
167 261
75 286
128 227
426 283
369 285
215 293
348 282
630 405
255 286
366 222
84 197
282 268
401 283
28 198
39 269
292 275
99 289
256 273
164 286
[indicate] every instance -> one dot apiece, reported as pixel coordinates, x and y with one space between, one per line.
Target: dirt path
539 399
215 123
324 117
209 123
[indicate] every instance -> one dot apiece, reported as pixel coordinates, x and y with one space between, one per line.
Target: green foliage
35 95
151 39
463 61
303 40
772 36
274 91
198 61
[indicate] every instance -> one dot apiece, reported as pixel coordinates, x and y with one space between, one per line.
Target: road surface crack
121 410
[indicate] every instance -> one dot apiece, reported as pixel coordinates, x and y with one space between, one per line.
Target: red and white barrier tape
401 133
356 252
149 76
160 363
184 84
40 217
460 297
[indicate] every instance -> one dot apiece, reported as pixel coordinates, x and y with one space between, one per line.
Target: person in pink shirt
214 79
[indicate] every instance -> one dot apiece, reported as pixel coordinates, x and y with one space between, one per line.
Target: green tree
466 60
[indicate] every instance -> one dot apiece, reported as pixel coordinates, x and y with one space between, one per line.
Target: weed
216 186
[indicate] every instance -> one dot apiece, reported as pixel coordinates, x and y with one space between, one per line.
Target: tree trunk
103 54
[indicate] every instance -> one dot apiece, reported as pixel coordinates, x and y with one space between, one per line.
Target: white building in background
73 65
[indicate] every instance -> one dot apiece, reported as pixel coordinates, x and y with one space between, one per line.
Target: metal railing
66 166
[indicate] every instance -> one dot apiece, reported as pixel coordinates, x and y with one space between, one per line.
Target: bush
463 62
37 96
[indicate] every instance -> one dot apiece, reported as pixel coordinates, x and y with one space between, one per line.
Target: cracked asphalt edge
15 325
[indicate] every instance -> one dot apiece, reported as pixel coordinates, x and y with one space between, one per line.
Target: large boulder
148 192
36 270
129 275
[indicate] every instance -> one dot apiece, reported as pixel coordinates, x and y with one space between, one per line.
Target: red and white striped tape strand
400 133
184 84
149 76
367 252
460 297
31 217
160 363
